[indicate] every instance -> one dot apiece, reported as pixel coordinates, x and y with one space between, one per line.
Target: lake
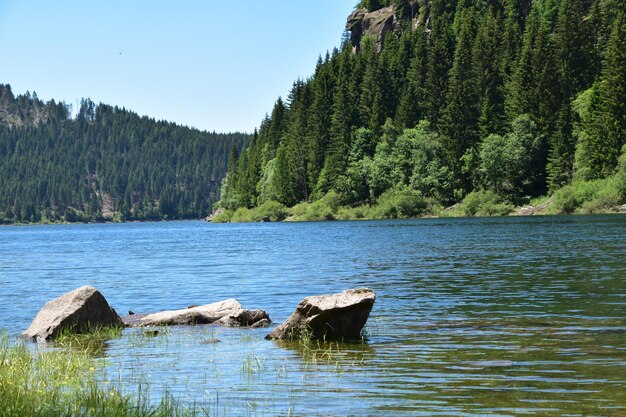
495 316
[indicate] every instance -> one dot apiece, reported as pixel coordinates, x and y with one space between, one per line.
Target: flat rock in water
329 317
227 313
205 314
76 311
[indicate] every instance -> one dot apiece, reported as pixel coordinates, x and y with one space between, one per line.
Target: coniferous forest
105 163
480 106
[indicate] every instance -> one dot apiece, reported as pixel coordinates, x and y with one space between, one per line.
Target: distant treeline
508 98
106 163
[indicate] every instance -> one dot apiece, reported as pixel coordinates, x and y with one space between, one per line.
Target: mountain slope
433 101
107 163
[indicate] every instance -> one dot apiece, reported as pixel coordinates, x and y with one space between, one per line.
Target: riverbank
409 204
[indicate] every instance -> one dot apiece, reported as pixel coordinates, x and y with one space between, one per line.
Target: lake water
498 316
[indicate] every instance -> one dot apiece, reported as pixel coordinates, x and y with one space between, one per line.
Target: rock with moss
77 311
328 317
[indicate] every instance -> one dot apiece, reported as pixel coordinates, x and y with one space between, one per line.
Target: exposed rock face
377 24
75 311
329 317
227 313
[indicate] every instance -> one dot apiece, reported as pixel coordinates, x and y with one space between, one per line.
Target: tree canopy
514 97
106 163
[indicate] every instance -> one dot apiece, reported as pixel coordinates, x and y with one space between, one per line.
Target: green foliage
106 164
268 211
602 111
461 96
223 217
506 162
67 382
592 196
483 203
399 204
325 208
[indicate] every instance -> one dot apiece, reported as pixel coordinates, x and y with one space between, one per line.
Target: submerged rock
227 313
329 317
76 311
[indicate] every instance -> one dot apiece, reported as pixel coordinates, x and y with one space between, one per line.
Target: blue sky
214 65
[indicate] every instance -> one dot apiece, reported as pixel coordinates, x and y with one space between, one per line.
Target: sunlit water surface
499 316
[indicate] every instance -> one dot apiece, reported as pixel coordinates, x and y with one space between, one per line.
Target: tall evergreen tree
460 121
605 126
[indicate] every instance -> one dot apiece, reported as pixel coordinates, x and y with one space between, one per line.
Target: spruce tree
460 121
606 128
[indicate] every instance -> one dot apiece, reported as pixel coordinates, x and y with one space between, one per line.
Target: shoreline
520 211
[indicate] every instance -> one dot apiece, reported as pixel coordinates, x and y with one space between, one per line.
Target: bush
590 196
325 208
242 215
353 213
269 210
223 217
398 204
607 198
483 203
272 210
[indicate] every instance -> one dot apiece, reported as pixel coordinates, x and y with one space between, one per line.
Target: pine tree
341 126
323 85
460 121
487 58
606 127
440 53
411 108
572 49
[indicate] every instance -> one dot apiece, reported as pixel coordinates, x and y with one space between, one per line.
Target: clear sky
214 65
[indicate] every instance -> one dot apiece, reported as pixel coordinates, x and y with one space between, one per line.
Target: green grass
64 382
93 342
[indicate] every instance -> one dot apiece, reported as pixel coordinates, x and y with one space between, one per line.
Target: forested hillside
105 163
433 102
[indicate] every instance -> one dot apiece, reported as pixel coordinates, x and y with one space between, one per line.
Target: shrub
397 204
323 209
223 217
272 210
484 203
242 215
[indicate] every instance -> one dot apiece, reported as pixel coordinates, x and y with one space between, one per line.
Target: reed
64 382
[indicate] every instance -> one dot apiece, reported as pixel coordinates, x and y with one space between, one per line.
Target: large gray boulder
227 313
328 317
77 311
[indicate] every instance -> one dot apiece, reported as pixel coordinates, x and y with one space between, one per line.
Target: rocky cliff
377 23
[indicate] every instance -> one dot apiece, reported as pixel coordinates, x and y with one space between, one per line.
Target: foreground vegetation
64 382
481 106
